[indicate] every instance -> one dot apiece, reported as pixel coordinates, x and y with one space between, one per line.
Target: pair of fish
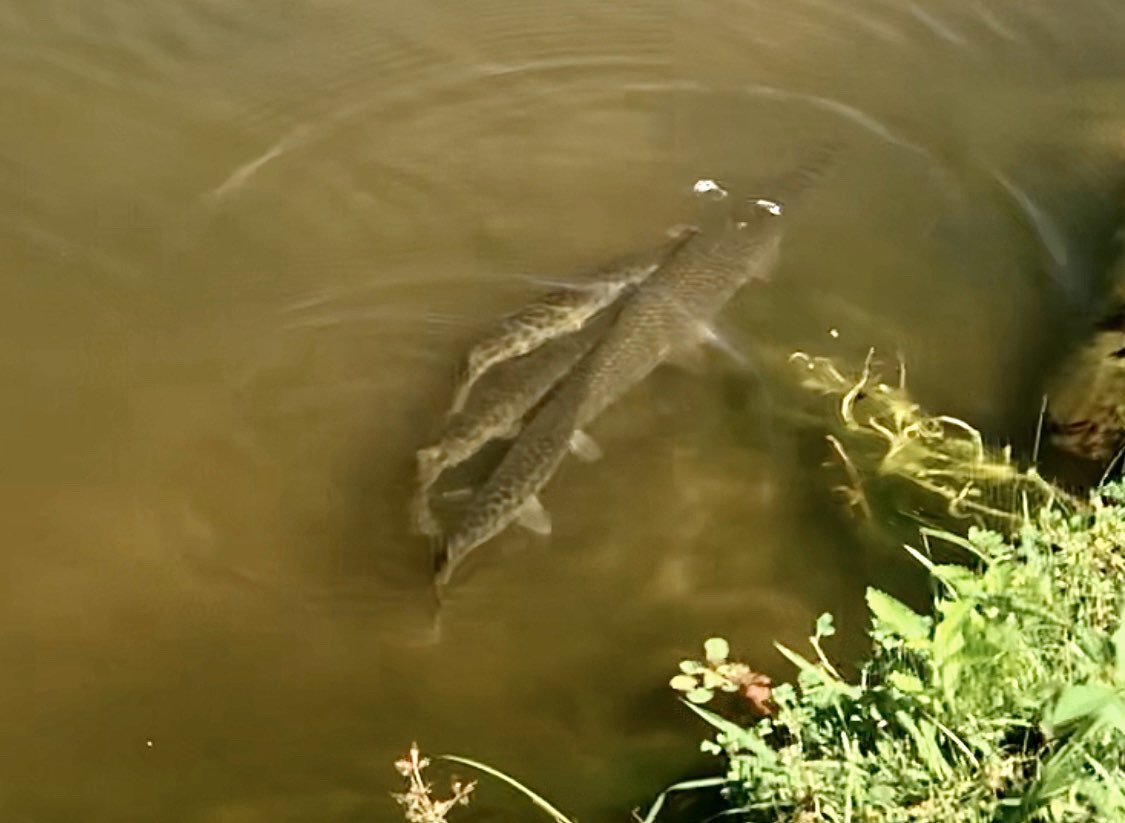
517 363
564 310
670 312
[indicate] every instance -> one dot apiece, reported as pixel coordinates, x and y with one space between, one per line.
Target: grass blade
538 800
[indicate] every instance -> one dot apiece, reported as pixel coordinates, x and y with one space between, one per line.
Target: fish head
756 226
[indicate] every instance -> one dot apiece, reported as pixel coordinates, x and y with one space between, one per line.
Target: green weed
1007 703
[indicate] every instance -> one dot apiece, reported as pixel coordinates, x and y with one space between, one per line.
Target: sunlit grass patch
1006 703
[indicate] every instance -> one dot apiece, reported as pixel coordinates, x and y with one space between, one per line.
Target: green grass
1008 703
1005 703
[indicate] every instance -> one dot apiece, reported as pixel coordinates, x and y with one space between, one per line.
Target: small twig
849 399
1039 431
814 641
856 497
536 799
1112 465
418 802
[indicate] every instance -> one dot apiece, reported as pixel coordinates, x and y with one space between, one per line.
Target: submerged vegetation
1006 703
886 440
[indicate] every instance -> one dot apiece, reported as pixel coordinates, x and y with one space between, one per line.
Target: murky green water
241 245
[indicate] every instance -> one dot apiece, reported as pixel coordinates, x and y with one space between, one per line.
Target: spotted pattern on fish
497 405
663 314
526 468
561 311
673 311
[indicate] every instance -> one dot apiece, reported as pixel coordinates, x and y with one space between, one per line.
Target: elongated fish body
504 395
498 404
562 311
511 490
668 311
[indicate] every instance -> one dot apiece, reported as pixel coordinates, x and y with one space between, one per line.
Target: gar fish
496 406
669 312
562 311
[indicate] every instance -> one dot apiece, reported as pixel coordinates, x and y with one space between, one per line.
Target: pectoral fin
712 338
460 395
584 447
534 517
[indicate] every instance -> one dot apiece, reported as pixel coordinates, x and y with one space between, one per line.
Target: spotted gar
670 311
497 405
561 311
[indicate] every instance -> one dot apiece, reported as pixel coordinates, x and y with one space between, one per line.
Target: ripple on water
244 244
163 36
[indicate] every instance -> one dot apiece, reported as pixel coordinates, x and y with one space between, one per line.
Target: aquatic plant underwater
1006 703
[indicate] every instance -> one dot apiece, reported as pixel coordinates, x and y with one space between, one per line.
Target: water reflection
239 250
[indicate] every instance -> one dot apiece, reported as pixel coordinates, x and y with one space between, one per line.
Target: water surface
241 246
